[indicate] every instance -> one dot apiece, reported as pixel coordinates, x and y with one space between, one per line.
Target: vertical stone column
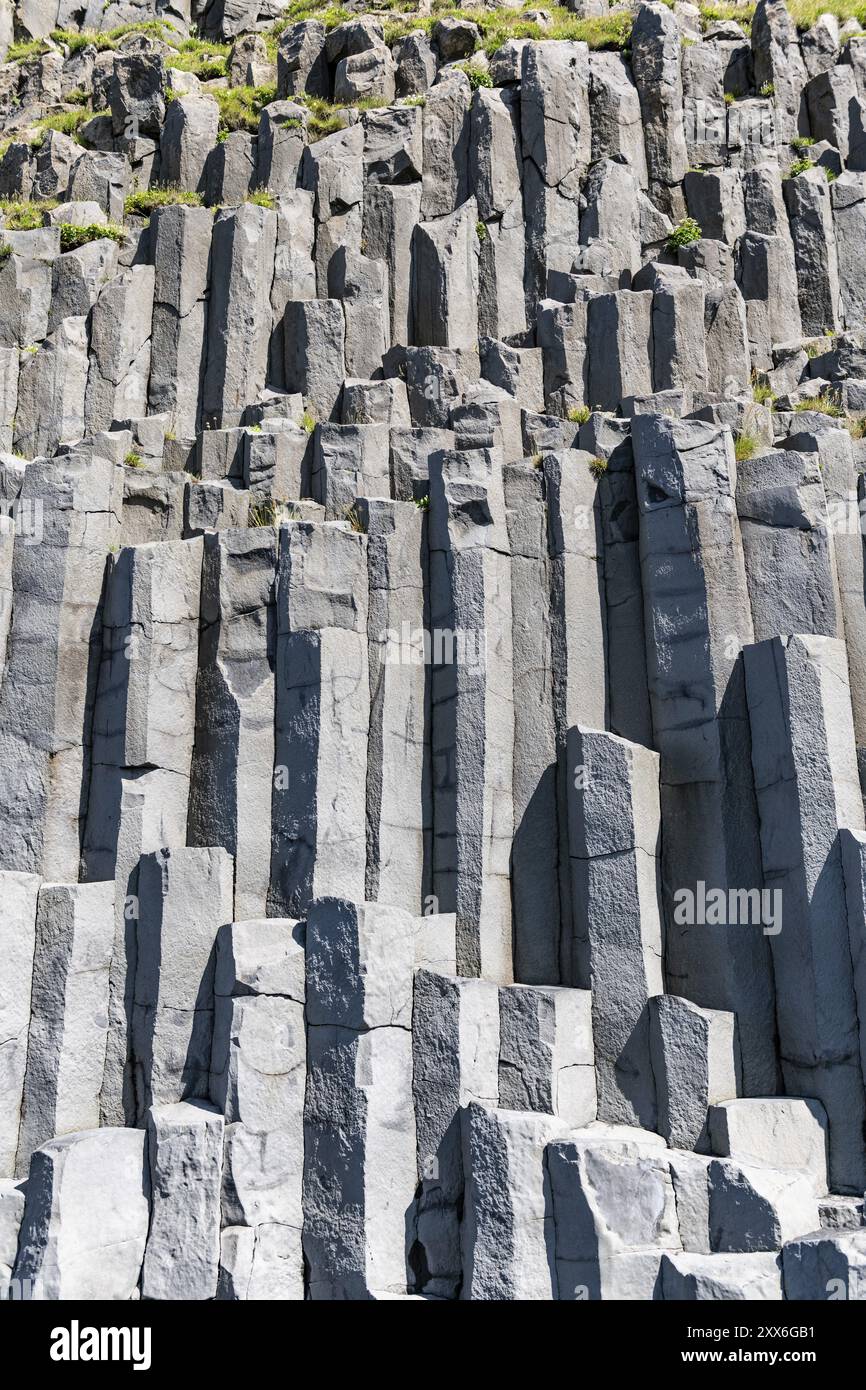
322 718
616 949
185 896
805 762
697 619
232 781
359 1125
68 1013
535 852
455 1052
578 638
472 706
56 629
17 944
399 793
258 1074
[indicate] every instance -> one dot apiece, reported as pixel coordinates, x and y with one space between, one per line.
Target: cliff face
433 653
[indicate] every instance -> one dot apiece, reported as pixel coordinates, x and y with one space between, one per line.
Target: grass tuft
72 235
144 200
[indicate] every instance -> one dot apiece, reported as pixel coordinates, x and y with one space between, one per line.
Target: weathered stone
242 268
803 754
85 1217
507 1231
472 713
695 1062
322 717
185 1158
18 938
185 896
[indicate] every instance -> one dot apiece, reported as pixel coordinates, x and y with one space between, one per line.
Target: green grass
240 107
67 122
798 167
22 215
143 202
323 118
308 422
263 198
598 467
822 403
27 48
481 230
611 31
802 142
856 426
133 460
762 393
684 233
5 250
422 503
746 446
72 235
204 59
579 415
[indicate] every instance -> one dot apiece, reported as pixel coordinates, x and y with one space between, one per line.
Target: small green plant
762 393
5 250
72 236
417 100
481 230
856 426
478 76
143 202
684 233
579 414
830 174
823 403
263 198
353 517
308 422
133 460
422 503
745 446
729 98
799 166
768 89
254 429
598 467
802 142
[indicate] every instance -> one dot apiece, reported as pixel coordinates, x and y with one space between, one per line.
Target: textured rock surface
432 652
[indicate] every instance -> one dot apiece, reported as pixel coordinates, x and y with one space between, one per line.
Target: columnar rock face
258 1071
804 756
432 653
359 1132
